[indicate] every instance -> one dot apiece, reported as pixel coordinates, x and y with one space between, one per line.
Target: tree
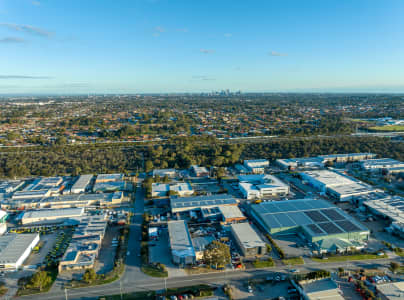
148 166
394 266
217 254
40 280
269 248
89 275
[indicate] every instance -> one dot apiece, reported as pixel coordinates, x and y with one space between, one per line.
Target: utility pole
66 293
165 285
120 287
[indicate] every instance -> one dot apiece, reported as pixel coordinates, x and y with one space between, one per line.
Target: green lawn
399 252
3 289
388 128
263 263
293 261
153 271
349 257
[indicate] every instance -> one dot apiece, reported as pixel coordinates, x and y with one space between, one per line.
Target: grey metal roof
82 182
317 217
199 201
180 239
247 235
54 213
12 246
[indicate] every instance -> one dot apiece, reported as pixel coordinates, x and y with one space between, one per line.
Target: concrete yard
161 253
262 291
105 260
48 241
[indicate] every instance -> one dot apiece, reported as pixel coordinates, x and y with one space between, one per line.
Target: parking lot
106 257
261 291
293 246
160 252
38 257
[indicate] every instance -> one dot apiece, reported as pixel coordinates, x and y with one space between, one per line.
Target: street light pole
66 293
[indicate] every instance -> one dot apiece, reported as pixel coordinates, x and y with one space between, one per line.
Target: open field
388 128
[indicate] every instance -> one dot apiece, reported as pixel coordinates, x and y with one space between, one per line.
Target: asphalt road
216 279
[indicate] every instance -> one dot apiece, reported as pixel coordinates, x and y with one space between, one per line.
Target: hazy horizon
161 46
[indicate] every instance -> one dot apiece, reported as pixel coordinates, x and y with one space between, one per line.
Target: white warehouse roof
247 235
13 246
53 213
328 178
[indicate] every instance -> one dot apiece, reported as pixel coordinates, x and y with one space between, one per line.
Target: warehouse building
391 290
296 163
317 220
81 184
31 194
163 189
108 178
85 244
341 187
160 189
198 171
231 214
389 207
322 289
15 248
182 189
248 240
182 250
164 172
49 215
387 164
66 201
349 192
319 161
111 186
261 186
179 204
256 166
348 157
10 186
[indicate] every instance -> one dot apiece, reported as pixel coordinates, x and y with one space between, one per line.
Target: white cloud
207 51
12 40
36 3
23 77
228 35
275 53
27 29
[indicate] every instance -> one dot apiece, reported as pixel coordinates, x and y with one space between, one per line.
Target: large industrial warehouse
340 187
179 204
390 207
48 215
316 219
15 248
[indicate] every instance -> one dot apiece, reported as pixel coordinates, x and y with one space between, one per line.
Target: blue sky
137 46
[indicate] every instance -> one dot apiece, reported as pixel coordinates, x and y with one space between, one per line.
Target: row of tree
178 153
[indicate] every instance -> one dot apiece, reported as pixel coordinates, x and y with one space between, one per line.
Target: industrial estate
286 216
